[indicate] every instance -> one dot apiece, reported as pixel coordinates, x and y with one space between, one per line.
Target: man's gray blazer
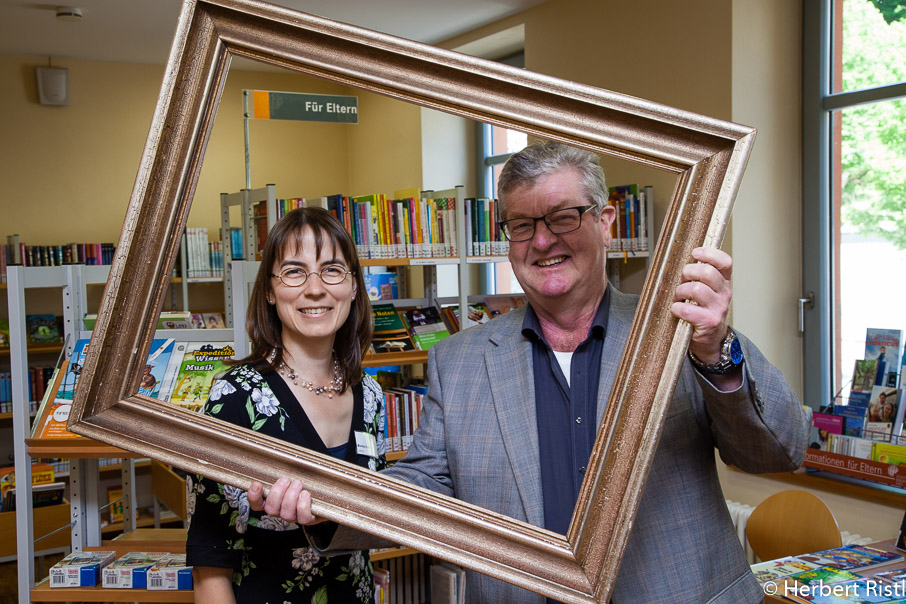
478 441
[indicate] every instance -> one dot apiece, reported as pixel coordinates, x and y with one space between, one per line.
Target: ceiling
140 31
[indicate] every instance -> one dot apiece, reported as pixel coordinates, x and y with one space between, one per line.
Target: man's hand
286 499
703 300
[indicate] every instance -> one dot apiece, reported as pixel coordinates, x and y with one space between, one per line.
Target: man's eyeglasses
293 276
558 221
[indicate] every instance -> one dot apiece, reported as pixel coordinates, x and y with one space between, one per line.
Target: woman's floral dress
271 559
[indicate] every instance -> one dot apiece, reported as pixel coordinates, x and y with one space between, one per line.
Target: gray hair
540 160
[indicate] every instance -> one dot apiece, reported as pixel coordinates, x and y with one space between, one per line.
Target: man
517 441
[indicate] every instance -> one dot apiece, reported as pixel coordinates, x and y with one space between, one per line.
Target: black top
271 559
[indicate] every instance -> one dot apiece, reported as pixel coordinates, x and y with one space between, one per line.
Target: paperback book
884 346
854 418
426 326
864 374
824 424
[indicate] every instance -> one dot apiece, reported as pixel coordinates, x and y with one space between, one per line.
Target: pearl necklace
335 385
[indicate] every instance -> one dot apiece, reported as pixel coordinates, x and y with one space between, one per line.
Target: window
498 144
854 178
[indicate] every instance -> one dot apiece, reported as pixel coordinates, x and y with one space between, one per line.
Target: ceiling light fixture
69 14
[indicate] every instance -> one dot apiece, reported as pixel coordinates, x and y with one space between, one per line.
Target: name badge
366 444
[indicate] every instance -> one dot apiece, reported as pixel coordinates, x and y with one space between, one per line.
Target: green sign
301 107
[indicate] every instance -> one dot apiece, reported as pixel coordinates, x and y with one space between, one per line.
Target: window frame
819 245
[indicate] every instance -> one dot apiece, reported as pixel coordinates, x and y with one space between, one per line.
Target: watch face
736 352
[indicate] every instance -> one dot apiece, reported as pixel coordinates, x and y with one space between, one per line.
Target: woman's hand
287 499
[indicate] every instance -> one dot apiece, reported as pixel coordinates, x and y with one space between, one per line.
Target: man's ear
605 220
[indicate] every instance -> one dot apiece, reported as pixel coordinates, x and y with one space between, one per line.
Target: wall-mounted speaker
53 85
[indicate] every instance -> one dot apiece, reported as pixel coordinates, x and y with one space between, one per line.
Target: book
390 333
448 584
498 305
4 332
882 413
824 424
130 571
80 569
156 366
855 557
854 418
115 504
381 585
426 326
884 346
782 567
176 319
888 453
195 371
478 314
42 329
864 374
891 576
42 495
213 320
381 286
825 574
170 573
50 422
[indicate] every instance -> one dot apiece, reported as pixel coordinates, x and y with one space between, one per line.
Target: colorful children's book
42 328
382 286
196 370
80 569
825 574
782 567
856 557
155 368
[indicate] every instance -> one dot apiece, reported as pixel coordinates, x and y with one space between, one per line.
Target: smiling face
313 310
565 271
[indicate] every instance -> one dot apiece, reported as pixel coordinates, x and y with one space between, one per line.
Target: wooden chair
790 523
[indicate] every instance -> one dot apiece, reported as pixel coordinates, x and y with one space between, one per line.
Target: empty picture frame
707 155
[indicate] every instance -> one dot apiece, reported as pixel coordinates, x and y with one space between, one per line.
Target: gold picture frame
707 155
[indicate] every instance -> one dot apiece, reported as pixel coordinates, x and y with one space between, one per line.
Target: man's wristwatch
730 356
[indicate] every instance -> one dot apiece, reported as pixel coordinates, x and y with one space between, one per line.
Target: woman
302 383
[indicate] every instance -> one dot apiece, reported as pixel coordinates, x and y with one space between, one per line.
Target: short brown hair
262 322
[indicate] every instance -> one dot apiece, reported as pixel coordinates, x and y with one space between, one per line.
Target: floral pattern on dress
223 526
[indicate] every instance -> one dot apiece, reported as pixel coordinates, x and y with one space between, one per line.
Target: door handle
807 302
